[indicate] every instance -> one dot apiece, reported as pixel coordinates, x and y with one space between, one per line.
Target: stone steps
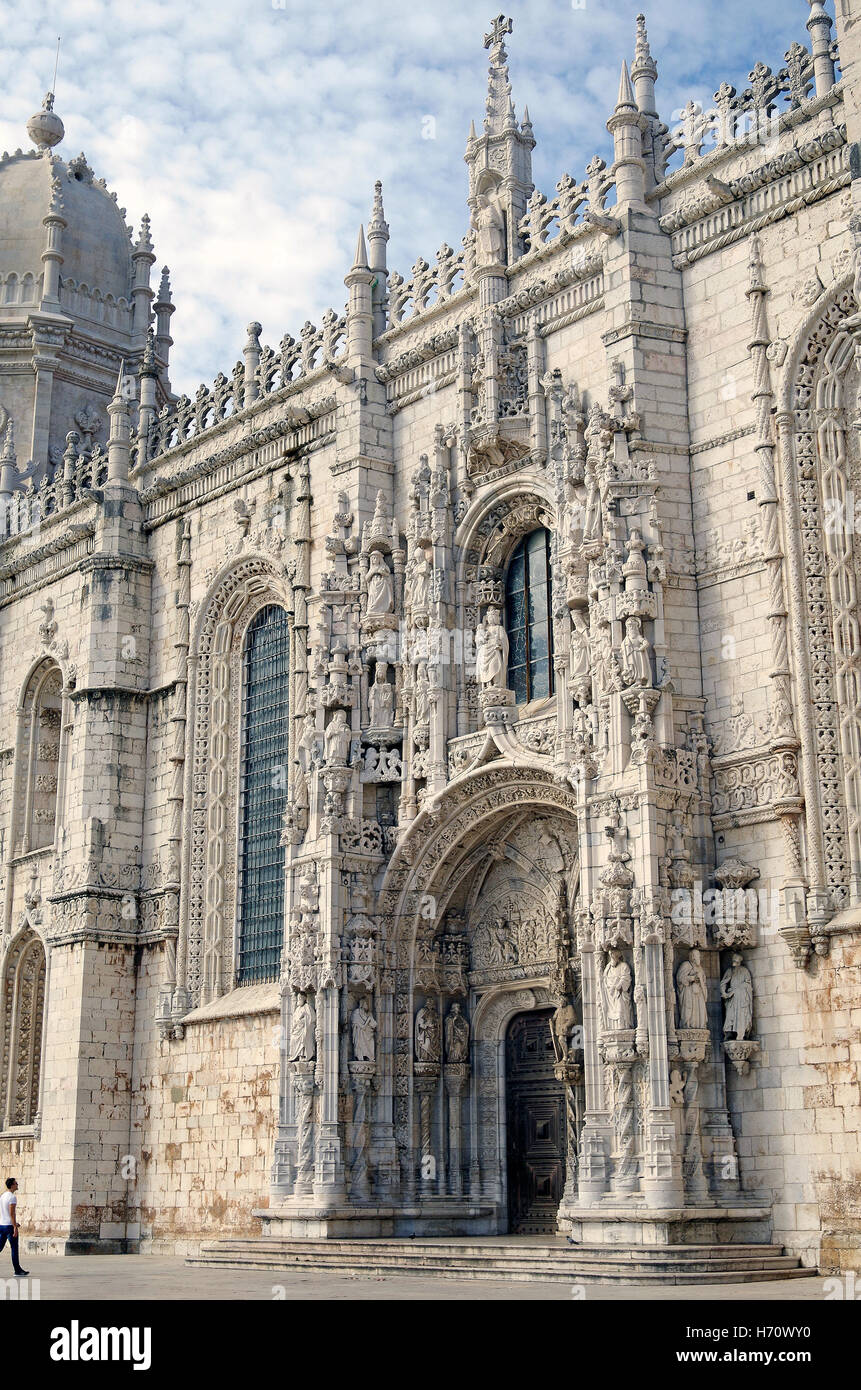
519 1259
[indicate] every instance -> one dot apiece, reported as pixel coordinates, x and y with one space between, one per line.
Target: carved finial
8 455
164 287
644 64
499 111
755 270
378 227
144 242
46 129
253 330
148 367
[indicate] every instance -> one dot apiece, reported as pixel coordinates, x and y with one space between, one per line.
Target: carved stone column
363 1077
620 1054
693 1043
304 1087
456 1075
571 1075
426 1081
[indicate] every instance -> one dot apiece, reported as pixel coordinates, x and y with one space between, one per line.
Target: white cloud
253 135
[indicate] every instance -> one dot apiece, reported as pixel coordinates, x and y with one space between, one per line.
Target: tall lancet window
41 735
527 618
262 794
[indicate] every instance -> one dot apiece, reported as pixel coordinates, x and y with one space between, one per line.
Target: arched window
262 793
41 738
527 618
23 1008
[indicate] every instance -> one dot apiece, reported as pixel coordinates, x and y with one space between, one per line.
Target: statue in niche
581 655
422 693
736 989
456 1035
307 893
691 988
420 583
303 1030
363 1025
427 1034
338 740
381 698
381 593
308 749
635 654
491 650
489 226
618 990
592 509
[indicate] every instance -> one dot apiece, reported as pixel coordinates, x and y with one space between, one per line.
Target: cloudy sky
252 131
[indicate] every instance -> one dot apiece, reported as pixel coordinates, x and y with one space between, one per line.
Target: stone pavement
143 1277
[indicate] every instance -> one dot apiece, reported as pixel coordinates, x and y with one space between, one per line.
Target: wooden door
535 1112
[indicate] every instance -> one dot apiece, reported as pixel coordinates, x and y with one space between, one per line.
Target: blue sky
252 131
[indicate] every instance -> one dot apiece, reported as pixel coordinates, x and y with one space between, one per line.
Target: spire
498 103
119 391
360 260
147 366
625 99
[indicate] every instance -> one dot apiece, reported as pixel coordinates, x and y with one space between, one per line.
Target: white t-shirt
7 1202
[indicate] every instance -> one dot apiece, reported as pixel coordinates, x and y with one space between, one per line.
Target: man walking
9 1223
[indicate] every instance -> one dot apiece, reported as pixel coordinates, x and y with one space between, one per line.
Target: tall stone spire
500 159
498 84
644 70
629 165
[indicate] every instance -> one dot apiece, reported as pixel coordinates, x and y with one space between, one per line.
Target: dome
96 245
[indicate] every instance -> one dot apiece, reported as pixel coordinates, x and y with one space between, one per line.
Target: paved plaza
144 1278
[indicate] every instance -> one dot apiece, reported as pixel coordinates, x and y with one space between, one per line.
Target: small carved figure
491 650
581 653
363 1026
456 1035
308 748
427 1034
381 698
380 586
489 231
618 983
691 987
635 654
338 740
303 1030
420 583
736 990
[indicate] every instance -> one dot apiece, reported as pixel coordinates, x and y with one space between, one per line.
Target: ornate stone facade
632 812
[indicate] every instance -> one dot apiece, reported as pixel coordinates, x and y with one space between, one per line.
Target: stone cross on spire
498 29
498 107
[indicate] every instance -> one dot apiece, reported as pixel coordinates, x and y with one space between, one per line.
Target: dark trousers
6 1234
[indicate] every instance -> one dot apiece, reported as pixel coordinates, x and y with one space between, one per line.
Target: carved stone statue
308 748
338 740
581 655
381 593
363 1026
618 987
456 1035
420 583
491 650
307 893
381 699
422 693
691 988
736 990
303 1028
489 231
635 659
427 1034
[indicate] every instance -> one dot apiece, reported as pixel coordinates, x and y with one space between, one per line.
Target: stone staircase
545 1259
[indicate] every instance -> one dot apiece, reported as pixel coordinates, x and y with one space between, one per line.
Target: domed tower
75 298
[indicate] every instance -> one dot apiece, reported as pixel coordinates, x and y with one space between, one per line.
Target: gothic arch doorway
535 1125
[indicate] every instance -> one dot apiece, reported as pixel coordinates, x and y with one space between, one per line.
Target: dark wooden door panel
535 1104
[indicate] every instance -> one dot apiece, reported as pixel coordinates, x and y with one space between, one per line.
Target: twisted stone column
304 1087
456 1075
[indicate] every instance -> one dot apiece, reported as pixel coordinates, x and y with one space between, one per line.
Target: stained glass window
527 618
262 794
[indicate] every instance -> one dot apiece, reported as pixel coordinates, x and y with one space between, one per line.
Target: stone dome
96 245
